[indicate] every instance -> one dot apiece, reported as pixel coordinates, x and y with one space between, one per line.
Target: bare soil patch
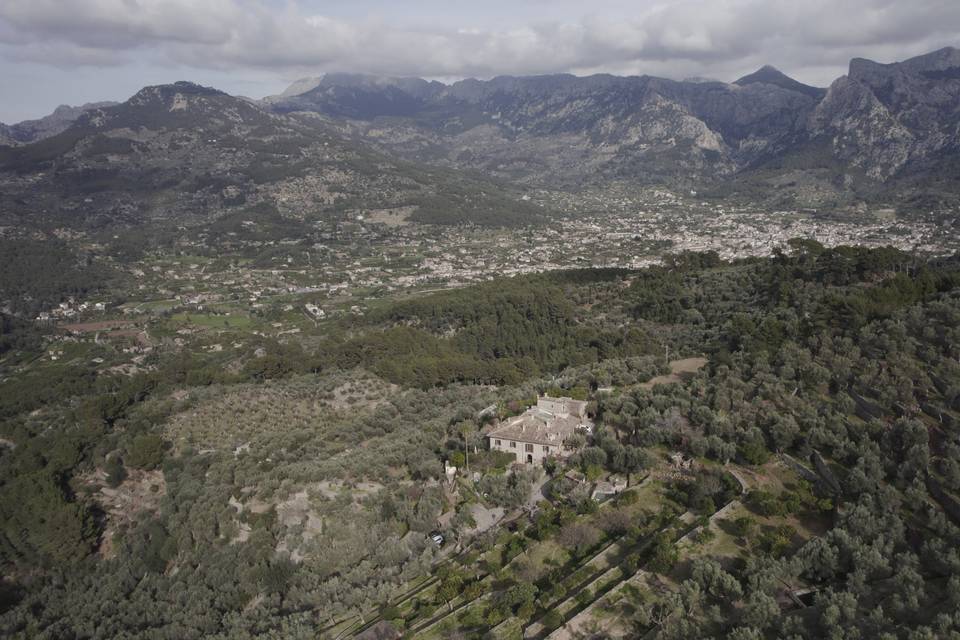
679 371
138 495
103 325
397 217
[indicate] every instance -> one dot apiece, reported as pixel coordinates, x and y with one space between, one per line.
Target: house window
513 445
496 442
529 448
546 449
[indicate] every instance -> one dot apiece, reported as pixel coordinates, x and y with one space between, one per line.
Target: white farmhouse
540 431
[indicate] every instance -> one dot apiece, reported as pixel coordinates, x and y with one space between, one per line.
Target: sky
56 52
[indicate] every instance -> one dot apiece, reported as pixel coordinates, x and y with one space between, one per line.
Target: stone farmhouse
539 432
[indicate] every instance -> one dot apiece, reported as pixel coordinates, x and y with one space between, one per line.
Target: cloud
121 24
702 37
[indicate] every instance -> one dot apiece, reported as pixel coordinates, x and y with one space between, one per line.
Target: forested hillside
35 274
290 493
502 333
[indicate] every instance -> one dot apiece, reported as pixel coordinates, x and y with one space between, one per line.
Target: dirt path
536 492
744 477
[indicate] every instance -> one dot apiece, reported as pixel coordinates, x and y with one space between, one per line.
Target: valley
545 357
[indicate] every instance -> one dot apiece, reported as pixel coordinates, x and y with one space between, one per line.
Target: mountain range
878 122
883 132
184 153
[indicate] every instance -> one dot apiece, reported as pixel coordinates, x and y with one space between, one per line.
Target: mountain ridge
882 132
184 153
27 131
561 130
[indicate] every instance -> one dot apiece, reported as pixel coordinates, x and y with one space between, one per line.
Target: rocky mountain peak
355 95
410 84
179 105
769 74
299 87
175 95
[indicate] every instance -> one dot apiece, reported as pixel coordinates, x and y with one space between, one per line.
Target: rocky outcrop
6 135
883 117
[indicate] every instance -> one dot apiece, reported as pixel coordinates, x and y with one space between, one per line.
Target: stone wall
525 452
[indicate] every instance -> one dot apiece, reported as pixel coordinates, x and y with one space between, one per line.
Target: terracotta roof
539 427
